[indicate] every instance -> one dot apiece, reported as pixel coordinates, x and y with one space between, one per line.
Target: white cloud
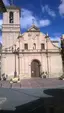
56 38
6 2
61 7
48 10
44 22
27 20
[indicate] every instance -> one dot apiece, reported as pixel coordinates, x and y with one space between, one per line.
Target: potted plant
44 76
45 73
61 77
42 73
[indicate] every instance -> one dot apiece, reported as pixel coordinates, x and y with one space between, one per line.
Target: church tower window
11 17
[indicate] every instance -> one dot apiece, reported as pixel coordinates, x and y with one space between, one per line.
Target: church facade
31 54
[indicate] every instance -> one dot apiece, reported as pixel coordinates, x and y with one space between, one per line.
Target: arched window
11 18
34 46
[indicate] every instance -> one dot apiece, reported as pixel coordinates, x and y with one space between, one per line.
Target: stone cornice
10 24
10 31
58 52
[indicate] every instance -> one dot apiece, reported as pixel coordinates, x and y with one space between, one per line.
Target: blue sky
48 15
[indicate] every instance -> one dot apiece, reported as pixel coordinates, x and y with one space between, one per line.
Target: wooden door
35 69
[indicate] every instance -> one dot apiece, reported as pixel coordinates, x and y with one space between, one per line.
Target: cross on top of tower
33 21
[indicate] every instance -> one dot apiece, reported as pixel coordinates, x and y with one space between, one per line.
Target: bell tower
11 26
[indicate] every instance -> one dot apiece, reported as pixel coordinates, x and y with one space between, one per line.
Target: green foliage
61 77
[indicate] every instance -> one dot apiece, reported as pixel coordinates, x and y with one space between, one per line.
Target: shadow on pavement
59 93
53 104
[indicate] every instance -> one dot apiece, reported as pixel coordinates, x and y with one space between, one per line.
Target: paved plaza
30 90
34 83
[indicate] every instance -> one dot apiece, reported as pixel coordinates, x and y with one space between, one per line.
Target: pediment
33 29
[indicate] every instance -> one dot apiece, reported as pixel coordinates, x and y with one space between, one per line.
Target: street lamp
16 52
18 49
47 36
15 72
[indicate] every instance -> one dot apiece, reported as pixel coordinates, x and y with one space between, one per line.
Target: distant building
31 54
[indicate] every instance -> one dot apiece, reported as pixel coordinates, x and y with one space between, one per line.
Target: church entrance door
35 68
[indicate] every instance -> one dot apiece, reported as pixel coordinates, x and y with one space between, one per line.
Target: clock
33 34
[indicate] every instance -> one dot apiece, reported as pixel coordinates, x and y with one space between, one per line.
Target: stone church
31 54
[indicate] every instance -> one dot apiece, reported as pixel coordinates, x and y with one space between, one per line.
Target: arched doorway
35 68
